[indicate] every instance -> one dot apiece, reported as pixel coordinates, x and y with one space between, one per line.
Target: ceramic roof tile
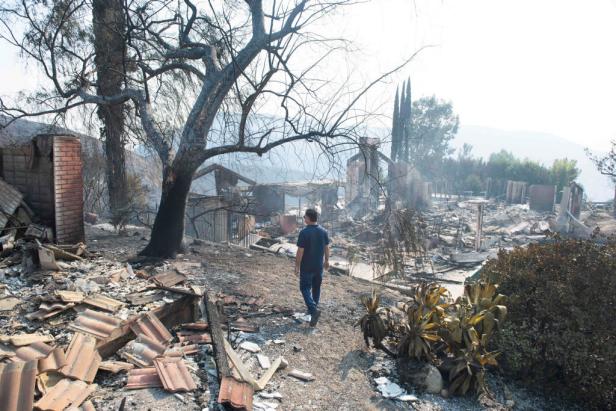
49 358
170 278
196 326
95 323
115 366
181 350
174 374
142 351
70 296
66 393
143 378
195 338
82 358
19 340
17 381
149 325
6 351
103 302
48 310
237 394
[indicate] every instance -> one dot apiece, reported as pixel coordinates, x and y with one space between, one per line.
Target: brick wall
68 189
29 168
47 171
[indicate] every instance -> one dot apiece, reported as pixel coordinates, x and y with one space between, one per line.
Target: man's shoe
314 318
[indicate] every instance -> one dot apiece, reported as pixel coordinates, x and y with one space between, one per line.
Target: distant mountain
541 147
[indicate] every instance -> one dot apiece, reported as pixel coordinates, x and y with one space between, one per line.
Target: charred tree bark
168 230
110 49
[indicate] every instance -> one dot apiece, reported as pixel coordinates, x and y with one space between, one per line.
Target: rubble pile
75 324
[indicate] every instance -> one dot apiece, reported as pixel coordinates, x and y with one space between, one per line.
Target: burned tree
110 57
197 79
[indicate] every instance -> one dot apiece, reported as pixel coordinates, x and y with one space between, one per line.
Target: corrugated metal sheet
9 201
66 393
143 378
169 278
150 326
235 393
17 385
82 358
142 351
95 323
174 375
49 358
103 302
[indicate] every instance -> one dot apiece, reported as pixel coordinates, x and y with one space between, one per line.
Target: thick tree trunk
168 231
117 183
110 47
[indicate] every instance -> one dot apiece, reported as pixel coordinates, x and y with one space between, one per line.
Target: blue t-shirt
313 239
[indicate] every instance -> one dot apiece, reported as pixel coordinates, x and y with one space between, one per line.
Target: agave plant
460 331
432 299
469 370
419 333
372 324
487 307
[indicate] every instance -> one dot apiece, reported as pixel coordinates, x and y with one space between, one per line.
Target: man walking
312 257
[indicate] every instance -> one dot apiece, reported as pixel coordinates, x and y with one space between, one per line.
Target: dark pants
310 286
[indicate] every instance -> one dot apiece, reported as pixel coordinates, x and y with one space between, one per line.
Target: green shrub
560 333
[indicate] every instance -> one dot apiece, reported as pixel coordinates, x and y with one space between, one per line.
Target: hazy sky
547 65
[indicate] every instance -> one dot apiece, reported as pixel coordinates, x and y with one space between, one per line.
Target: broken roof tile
142 298
196 326
6 351
174 374
180 350
149 325
48 310
17 385
204 338
115 366
237 394
49 358
143 378
143 350
64 394
95 323
19 340
103 302
170 278
70 296
82 358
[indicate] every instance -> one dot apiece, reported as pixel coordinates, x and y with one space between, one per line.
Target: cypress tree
406 121
395 129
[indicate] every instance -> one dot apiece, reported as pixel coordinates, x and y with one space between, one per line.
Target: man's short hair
312 215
